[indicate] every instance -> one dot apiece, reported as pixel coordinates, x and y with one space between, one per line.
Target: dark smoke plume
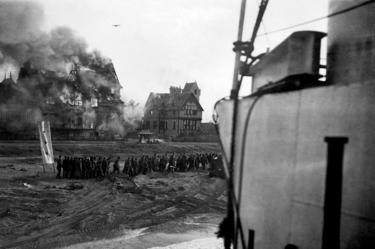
22 40
55 66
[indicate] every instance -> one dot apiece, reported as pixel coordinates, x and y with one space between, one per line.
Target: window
79 122
155 124
190 108
77 99
163 125
50 101
174 125
189 124
3 115
94 102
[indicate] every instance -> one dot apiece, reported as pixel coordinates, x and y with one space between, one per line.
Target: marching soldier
59 167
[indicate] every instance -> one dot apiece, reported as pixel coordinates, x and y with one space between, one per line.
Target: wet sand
155 210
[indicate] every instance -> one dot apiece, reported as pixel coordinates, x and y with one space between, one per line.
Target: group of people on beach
94 167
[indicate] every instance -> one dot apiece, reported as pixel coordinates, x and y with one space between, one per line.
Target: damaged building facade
177 113
84 104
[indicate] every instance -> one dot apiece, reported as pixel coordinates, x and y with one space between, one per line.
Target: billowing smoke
56 68
89 115
20 21
133 114
127 119
22 39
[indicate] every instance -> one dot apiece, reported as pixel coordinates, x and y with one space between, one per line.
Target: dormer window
50 101
190 108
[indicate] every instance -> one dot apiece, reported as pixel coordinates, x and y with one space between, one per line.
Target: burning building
84 104
56 78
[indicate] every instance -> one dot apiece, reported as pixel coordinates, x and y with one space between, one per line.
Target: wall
171 116
351 43
298 54
285 164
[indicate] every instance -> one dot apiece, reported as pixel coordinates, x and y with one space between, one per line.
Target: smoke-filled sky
169 42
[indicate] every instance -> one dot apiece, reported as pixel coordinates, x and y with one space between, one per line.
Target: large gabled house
177 113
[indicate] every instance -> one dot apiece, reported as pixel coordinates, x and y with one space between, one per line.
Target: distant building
177 113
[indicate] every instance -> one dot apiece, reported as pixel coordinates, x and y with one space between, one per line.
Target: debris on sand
73 186
7 166
125 186
200 197
27 185
5 212
68 186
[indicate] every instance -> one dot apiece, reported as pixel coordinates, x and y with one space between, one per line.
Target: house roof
8 89
189 86
169 101
190 97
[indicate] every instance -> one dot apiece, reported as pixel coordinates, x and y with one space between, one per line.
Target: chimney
175 91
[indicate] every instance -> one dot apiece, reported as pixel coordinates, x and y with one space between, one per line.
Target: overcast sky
160 43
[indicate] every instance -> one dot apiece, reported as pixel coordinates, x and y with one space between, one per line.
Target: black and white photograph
187 124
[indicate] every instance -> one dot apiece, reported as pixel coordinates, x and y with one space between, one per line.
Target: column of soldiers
167 163
93 167
82 167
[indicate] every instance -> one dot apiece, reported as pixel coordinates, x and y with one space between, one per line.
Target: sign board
46 142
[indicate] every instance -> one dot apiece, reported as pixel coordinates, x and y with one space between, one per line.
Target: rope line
319 18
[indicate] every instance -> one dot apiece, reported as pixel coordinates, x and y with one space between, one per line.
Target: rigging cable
243 145
249 48
232 212
319 18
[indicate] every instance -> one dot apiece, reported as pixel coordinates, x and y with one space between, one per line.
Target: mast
241 49
237 60
232 203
